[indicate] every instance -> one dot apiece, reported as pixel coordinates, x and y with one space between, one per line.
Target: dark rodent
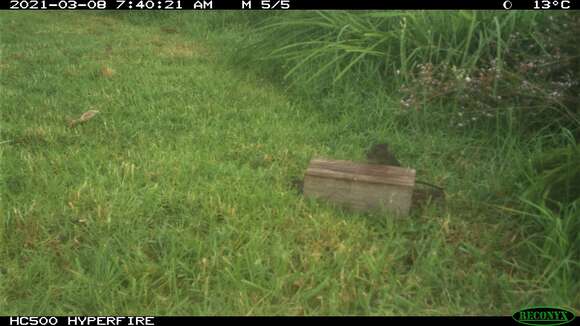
381 154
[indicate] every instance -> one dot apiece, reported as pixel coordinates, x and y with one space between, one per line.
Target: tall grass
481 61
390 44
551 211
555 242
555 175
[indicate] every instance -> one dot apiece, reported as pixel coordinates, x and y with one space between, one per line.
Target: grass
382 43
177 197
485 64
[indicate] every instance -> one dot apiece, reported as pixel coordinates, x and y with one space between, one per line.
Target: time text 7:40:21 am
149 4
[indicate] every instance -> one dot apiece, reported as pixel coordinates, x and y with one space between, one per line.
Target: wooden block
361 187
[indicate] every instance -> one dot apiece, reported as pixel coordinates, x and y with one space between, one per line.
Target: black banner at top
181 5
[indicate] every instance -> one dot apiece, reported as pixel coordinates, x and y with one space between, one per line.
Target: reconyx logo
543 316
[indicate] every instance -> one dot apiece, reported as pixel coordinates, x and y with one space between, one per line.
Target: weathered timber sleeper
361 187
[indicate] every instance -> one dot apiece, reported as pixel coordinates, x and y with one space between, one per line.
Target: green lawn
177 198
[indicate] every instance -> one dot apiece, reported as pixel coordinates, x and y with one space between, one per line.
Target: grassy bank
177 198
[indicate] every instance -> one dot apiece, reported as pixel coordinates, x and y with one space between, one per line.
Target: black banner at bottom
166 320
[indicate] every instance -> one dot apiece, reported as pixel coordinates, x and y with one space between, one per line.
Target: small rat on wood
381 154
